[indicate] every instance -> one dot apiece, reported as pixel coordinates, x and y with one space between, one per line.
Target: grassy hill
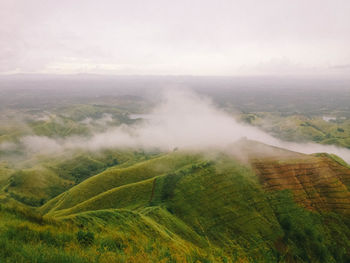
297 127
249 203
39 179
191 207
116 177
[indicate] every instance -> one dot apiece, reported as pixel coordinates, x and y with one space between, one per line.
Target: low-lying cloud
183 120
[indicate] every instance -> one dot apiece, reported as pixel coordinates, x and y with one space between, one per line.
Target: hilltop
269 205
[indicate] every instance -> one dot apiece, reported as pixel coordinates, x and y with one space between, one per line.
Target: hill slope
278 206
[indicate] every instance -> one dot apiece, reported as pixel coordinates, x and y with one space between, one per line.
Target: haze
277 37
182 120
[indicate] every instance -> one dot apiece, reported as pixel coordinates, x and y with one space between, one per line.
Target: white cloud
173 37
183 120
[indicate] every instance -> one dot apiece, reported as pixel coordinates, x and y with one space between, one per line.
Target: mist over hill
174 169
178 116
192 131
181 120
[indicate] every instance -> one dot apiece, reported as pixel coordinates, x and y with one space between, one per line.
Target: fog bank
182 120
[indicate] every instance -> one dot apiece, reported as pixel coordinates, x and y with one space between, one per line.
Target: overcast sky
198 37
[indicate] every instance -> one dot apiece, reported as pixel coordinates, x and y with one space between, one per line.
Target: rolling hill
268 205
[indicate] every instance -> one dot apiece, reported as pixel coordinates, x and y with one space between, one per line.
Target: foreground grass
104 236
174 208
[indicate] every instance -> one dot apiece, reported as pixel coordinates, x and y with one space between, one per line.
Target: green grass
5 173
41 178
115 177
59 127
114 236
216 204
175 207
298 127
131 196
35 185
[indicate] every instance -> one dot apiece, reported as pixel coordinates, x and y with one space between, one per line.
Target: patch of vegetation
85 238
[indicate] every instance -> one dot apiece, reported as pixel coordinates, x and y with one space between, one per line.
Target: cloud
172 37
42 144
8 146
105 119
345 66
182 120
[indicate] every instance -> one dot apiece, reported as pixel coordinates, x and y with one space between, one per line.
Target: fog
175 37
183 120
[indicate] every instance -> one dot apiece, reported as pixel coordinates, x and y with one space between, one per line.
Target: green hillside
36 180
116 177
186 207
297 127
71 190
179 207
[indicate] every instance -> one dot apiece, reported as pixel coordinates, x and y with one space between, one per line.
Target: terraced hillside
318 183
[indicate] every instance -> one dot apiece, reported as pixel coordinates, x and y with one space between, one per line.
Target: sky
183 37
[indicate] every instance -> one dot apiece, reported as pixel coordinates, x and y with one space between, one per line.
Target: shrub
85 238
112 244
